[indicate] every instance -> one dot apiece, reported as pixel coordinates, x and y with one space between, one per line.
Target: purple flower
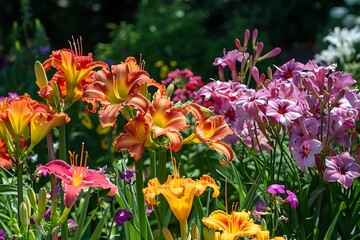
259 211
72 225
341 168
129 176
276 188
122 216
304 150
47 213
283 111
2 234
292 199
261 206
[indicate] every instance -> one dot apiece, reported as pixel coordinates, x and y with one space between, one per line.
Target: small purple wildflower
276 189
122 216
71 225
2 234
292 199
129 176
47 213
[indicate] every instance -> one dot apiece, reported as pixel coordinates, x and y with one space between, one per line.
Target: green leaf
333 223
82 210
6 189
97 232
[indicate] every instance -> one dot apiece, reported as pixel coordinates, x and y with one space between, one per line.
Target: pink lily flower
76 177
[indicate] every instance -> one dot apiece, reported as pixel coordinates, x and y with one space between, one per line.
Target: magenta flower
341 168
292 199
122 216
229 59
276 189
283 111
289 71
304 150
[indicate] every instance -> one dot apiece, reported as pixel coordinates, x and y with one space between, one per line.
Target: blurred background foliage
167 34
191 32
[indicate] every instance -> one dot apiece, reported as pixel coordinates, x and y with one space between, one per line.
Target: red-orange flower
124 85
5 158
73 72
210 129
136 138
167 120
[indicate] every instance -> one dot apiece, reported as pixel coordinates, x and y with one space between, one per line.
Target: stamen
76 46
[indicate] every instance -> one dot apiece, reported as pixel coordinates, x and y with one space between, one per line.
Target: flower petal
59 168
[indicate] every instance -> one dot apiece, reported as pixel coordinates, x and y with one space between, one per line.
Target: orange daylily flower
5 158
179 193
234 225
43 120
15 115
74 72
123 86
167 120
210 129
23 119
77 176
136 138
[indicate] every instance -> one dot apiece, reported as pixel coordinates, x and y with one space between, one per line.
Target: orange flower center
78 170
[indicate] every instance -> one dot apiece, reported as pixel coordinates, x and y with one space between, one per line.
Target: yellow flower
85 120
179 193
265 235
234 225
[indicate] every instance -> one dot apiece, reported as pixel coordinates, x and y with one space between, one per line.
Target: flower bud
16 228
32 198
41 204
194 232
167 234
56 94
28 204
169 90
24 215
263 225
41 78
31 235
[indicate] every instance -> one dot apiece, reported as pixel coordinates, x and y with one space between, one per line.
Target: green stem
153 171
62 156
54 199
20 186
162 166
140 199
183 229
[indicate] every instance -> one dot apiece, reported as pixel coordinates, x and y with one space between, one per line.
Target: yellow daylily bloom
179 193
234 225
